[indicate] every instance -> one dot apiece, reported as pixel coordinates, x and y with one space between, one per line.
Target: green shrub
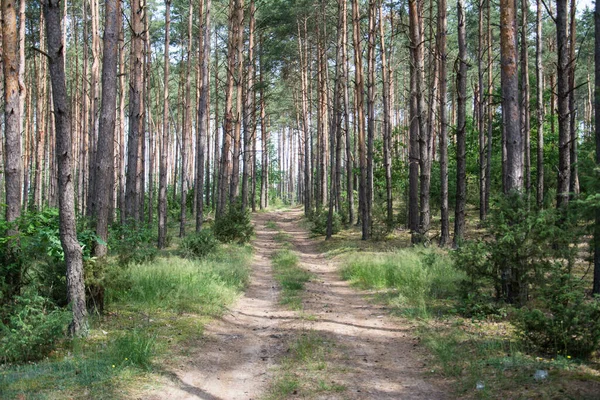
563 320
233 226
417 275
319 222
31 329
198 245
133 244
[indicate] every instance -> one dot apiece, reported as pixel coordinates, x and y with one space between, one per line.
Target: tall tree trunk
94 92
249 120
132 211
303 55
13 170
203 108
525 97
106 131
68 233
360 120
264 186
367 212
187 126
414 133
539 73
122 155
162 179
349 154
564 157
443 55
237 55
510 97
574 179
596 285
461 162
481 120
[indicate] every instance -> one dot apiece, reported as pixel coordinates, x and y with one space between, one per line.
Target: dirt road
376 356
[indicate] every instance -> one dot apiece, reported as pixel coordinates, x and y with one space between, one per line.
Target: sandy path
234 359
378 360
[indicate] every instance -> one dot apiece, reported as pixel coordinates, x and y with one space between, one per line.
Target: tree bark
461 179
250 116
203 108
106 131
596 284
132 203
162 179
68 233
564 157
510 97
414 133
539 73
443 54
525 96
13 169
573 139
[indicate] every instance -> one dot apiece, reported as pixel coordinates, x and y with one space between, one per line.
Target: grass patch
154 311
291 277
282 237
422 283
304 371
271 225
410 279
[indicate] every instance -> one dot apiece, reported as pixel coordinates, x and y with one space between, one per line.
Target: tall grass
202 286
291 277
416 276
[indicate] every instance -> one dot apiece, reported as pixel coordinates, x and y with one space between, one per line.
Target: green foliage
417 276
204 286
133 244
135 347
566 322
524 244
198 244
319 222
291 277
31 329
234 226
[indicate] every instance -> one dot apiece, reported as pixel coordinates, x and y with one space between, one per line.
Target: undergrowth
290 276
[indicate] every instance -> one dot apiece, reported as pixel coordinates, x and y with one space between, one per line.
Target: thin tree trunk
264 186
13 170
106 131
360 120
596 285
203 107
414 133
564 159
525 96
481 121
68 233
574 179
237 55
249 124
162 179
539 73
461 162
443 54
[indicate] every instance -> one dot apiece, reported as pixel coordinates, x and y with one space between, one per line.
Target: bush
31 329
133 244
233 226
198 245
566 322
319 222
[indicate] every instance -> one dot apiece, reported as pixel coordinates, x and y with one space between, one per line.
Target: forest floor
335 345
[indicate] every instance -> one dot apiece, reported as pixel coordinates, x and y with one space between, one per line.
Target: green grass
271 225
154 311
291 277
304 371
410 279
282 237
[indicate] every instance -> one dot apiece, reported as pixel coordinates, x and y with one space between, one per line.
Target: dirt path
376 356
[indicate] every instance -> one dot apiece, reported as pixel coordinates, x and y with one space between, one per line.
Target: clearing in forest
335 344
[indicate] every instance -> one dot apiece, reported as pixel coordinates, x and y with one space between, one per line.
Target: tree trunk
106 131
203 108
237 57
360 120
132 211
68 233
574 179
461 179
413 146
443 54
539 73
564 157
162 179
596 285
264 186
13 170
187 125
249 120
510 97
525 97
481 120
